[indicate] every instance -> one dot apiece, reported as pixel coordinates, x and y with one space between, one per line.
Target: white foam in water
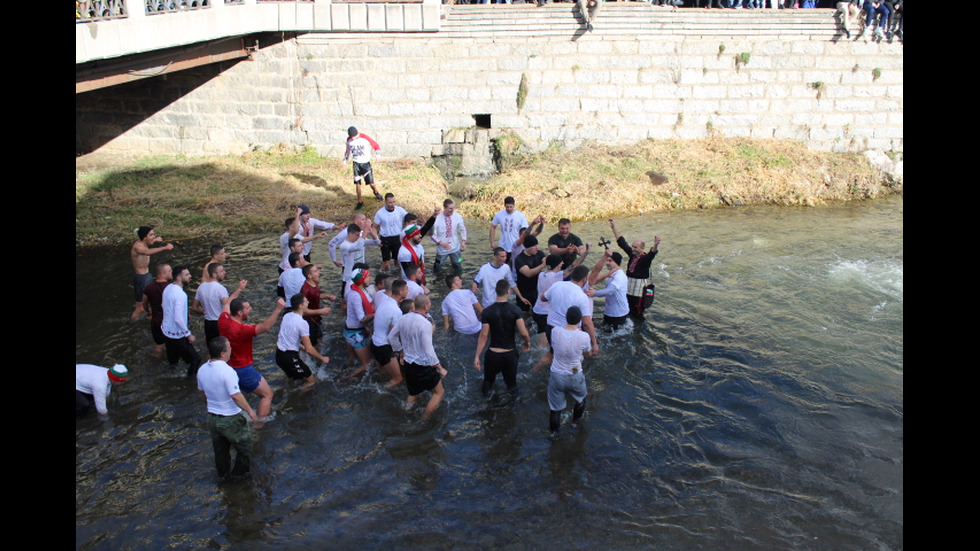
886 277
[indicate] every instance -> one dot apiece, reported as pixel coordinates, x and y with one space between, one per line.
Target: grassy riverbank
197 197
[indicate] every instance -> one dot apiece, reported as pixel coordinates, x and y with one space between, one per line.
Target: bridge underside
111 72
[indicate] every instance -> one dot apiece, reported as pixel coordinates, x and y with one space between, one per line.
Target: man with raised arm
233 325
139 254
638 264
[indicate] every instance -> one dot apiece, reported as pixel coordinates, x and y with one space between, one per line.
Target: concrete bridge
416 72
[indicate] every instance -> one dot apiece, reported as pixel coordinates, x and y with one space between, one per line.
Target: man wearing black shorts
359 147
412 336
294 335
390 219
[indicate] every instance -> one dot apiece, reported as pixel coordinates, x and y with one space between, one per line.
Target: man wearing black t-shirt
501 320
529 264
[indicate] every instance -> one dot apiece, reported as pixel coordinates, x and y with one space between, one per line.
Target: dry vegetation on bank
188 198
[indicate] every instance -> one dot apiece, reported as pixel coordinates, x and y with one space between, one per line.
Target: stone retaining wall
410 91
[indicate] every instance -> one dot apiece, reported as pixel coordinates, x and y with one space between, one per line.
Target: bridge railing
113 28
105 10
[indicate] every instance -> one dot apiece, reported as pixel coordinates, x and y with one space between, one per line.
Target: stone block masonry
407 90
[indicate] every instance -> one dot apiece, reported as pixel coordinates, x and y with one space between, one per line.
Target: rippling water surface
760 405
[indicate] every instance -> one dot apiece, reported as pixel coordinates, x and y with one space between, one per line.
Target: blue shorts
356 338
248 378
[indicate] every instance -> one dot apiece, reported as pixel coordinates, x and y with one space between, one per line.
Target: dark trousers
182 349
503 363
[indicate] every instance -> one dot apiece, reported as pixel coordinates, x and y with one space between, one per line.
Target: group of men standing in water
387 315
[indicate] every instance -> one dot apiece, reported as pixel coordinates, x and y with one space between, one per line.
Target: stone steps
634 18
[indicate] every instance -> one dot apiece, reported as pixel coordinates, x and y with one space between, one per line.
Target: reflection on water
760 405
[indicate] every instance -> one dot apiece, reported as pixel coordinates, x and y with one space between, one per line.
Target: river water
760 405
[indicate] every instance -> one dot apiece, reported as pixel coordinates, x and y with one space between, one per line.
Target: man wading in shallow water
570 344
637 269
140 253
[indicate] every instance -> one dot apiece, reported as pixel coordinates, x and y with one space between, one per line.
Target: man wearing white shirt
413 280
567 377
492 272
360 314
218 383
412 336
294 335
210 298
93 384
461 307
562 296
389 220
291 281
511 221
307 230
617 305
351 251
179 340
386 315
449 235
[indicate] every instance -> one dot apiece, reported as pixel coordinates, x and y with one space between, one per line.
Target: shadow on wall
103 115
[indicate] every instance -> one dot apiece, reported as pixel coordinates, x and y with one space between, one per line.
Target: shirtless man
140 255
218 255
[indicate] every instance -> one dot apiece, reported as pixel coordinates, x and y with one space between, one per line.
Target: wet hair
580 272
502 287
216 248
353 228
296 300
294 258
396 286
530 241
351 132
573 316
236 306
213 269
143 231
552 260
617 258
217 347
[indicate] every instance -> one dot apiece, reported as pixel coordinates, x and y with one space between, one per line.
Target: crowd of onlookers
882 19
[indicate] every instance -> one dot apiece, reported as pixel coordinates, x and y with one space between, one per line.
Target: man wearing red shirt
311 290
232 324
